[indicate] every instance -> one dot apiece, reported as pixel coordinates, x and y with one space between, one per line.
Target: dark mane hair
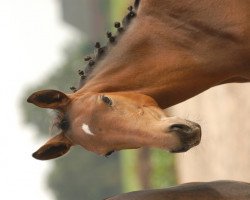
102 51
61 121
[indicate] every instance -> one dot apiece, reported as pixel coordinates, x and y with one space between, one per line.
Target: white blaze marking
86 129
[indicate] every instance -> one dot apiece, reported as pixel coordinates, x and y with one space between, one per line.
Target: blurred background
43 43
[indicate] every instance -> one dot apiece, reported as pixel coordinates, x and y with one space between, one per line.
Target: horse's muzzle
189 135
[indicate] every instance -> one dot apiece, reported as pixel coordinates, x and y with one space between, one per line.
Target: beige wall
224 153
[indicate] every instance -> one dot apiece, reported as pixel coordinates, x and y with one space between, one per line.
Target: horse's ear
49 99
54 148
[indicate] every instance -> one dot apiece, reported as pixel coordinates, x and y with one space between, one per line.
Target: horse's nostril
195 125
180 127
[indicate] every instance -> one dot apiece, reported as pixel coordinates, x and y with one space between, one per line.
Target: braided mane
101 51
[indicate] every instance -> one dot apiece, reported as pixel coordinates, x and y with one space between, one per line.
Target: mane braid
101 51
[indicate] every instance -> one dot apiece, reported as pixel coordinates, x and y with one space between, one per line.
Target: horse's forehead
81 106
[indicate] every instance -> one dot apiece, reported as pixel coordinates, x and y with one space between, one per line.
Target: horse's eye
107 100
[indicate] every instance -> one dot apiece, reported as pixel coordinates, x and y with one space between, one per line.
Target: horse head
108 122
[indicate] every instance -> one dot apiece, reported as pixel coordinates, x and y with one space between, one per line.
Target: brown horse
166 52
219 190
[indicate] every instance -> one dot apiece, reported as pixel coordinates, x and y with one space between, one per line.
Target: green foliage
118 8
163 170
164 174
130 180
86 176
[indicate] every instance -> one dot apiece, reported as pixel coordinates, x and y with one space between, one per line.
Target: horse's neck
166 52
216 13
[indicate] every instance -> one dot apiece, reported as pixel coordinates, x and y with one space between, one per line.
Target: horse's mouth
185 148
189 136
